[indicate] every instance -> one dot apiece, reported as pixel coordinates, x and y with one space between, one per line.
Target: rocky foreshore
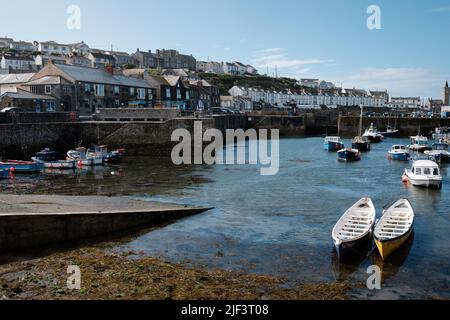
107 275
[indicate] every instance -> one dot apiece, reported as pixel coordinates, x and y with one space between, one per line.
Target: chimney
110 69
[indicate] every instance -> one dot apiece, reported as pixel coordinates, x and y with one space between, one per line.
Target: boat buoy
405 178
12 169
80 163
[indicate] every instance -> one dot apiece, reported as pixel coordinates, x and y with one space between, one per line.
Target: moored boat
24 167
394 228
390 132
373 135
419 144
439 152
82 158
424 173
349 154
333 143
354 228
49 160
399 153
361 144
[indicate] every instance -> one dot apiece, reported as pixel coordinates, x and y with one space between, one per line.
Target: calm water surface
279 225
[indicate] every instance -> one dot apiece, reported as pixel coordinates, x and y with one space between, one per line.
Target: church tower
446 95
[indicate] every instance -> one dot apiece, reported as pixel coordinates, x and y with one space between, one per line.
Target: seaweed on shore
108 275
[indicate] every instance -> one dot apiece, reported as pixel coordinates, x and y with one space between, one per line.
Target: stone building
164 59
87 89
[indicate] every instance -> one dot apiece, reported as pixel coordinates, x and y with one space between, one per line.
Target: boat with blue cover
333 144
399 153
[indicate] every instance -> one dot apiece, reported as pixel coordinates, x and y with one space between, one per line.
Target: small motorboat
361 144
419 144
49 159
439 153
108 157
82 158
394 228
424 173
399 153
441 133
390 132
333 144
24 167
354 228
373 135
349 154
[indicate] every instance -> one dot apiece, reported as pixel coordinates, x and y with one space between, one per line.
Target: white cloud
398 81
278 57
439 9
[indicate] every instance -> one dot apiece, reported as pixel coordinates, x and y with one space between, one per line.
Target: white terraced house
308 98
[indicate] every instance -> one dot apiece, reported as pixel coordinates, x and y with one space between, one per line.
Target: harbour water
278 225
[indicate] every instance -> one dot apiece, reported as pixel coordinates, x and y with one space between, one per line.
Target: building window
116 89
141 93
87 87
187 95
48 89
131 91
117 102
51 106
99 90
168 93
34 89
178 94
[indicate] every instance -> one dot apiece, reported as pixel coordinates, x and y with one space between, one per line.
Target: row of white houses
311 98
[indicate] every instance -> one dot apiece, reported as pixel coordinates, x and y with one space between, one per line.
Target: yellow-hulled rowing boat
394 228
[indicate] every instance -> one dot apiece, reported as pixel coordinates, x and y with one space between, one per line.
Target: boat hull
390 134
375 139
333 146
349 156
399 156
388 247
361 146
22 167
346 250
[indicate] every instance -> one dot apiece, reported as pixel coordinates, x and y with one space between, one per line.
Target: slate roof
22 94
48 80
15 78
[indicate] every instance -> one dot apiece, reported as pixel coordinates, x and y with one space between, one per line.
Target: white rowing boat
355 227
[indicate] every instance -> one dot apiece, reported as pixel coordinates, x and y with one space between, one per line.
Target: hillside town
49 76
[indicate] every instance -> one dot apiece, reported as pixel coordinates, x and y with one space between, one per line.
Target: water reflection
390 267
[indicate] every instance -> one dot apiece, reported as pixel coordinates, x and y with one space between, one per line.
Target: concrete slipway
30 221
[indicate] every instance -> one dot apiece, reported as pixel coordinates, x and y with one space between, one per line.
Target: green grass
226 82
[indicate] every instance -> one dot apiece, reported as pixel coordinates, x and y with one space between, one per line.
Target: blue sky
326 39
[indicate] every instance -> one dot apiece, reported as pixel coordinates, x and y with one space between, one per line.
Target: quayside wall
349 126
23 140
